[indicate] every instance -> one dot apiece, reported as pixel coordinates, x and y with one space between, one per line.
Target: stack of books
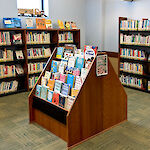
6 55
66 37
5 38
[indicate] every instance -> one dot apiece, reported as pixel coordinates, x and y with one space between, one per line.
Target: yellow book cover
61 24
74 92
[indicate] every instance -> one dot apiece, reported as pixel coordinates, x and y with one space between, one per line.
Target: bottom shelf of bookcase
136 88
13 92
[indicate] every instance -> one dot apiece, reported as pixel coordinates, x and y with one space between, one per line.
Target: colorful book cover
29 23
79 62
78 82
71 62
62 78
54 66
69 102
74 92
90 52
60 51
65 89
61 24
70 80
67 25
48 23
40 23
55 98
56 76
69 70
44 90
61 68
62 100
44 81
76 72
51 84
50 95
47 75
38 90
73 25
58 85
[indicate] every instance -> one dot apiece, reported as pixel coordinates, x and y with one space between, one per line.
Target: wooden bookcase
54 42
145 76
94 110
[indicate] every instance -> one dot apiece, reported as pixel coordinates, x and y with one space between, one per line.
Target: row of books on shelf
41 23
10 71
6 40
7 55
38 38
6 87
135 39
140 25
132 81
32 81
36 67
34 53
66 37
132 67
132 54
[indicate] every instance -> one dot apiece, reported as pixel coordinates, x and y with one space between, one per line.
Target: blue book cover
60 51
70 80
65 89
62 100
79 62
54 66
44 90
50 95
38 90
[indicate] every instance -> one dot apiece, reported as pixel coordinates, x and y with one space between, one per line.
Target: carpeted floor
17 134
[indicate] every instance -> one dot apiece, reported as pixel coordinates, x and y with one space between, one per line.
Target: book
17 22
61 24
58 85
17 38
69 102
61 68
65 89
29 23
56 76
38 90
71 62
79 62
48 24
19 69
74 92
44 91
78 82
55 98
73 25
67 25
67 55
47 75
76 72
54 66
44 81
51 84
90 52
62 100
69 70
70 80
50 95
19 54
60 51
84 72
78 53
63 77
40 23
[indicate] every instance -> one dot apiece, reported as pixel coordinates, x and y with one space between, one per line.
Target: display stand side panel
85 118
114 99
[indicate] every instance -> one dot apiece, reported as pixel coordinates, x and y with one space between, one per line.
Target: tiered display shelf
94 110
23 80
134 67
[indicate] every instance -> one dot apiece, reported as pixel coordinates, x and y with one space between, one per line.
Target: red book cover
55 98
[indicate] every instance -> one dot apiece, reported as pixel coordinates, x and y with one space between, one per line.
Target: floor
17 134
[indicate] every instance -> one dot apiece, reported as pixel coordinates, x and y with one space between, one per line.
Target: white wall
71 10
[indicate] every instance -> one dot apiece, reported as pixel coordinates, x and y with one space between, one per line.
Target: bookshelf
94 110
29 77
134 53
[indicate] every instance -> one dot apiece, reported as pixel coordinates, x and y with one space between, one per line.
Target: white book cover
71 62
44 81
47 75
